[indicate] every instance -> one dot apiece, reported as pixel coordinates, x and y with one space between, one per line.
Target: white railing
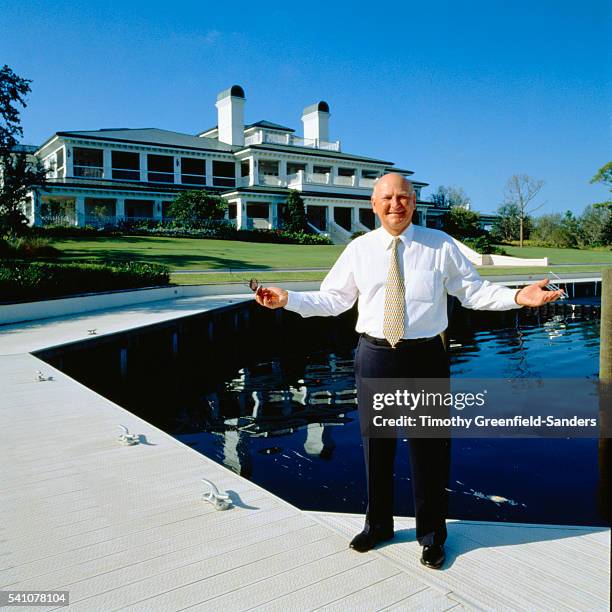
263 137
319 178
88 171
271 180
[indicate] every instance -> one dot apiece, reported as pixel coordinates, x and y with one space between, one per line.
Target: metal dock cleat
126 438
221 501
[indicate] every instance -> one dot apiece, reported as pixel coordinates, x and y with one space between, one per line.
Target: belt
402 342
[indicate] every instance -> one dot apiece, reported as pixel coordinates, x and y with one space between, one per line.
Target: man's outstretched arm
338 292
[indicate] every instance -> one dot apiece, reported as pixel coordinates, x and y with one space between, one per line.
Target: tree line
516 220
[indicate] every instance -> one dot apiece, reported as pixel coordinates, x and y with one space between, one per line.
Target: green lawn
281 277
223 255
198 254
561 256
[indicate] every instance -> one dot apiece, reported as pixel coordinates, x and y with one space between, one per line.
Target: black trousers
429 457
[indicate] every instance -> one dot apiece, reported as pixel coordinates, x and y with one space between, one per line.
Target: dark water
280 410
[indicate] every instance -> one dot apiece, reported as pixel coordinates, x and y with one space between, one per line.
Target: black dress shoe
433 556
366 540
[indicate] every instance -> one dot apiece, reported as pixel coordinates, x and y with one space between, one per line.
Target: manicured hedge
220 230
21 280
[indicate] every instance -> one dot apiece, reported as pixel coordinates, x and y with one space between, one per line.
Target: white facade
104 176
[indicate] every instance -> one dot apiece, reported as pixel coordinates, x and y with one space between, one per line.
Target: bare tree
521 190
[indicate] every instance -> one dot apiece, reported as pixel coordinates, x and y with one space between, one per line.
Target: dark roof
321 106
262 124
268 124
285 191
317 152
153 136
399 170
23 148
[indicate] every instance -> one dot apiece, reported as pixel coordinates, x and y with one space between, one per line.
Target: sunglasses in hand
259 289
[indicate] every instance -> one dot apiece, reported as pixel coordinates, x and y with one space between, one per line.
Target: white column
357 177
282 172
253 172
354 218
176 161
35 214
334 174
209 172
330 216
79 209
157 209
423 216
68 161
273 215
107 163
143 167
237 173
120 207
309 167
240 213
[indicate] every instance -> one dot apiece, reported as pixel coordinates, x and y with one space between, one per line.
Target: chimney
316 121
230 115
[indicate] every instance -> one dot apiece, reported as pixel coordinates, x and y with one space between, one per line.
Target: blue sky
463 93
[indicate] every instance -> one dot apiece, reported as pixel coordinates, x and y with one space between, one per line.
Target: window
160 168
224 174
87 162
258 211
294 168
193 171
126 166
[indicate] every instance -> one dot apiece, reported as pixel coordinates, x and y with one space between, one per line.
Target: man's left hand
534 295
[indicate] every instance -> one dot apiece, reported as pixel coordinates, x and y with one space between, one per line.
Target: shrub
462 223
296 213
484 245
73 231
28 247
357 234
221 229
197 205
21 280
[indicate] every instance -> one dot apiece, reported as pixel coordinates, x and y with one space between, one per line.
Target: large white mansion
113 174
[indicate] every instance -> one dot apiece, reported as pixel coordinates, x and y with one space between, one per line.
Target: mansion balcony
289 140
312 181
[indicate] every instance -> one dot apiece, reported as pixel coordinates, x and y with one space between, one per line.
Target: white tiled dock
125 527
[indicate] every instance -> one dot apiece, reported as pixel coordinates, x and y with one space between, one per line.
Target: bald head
392 179
394 201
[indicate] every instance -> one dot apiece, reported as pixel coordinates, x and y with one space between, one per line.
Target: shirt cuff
293 301
510 295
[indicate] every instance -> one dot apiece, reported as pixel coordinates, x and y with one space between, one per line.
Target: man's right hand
271 297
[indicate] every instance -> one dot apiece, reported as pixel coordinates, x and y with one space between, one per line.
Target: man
400 274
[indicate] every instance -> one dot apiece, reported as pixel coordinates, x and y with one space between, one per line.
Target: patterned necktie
393 326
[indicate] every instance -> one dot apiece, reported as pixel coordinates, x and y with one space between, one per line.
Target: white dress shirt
432 266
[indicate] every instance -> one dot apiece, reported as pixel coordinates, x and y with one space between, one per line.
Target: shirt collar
406 236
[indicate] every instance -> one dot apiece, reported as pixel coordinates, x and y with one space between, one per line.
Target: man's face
394 202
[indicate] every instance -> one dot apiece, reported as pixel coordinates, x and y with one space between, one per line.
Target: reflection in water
258 403
314 423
